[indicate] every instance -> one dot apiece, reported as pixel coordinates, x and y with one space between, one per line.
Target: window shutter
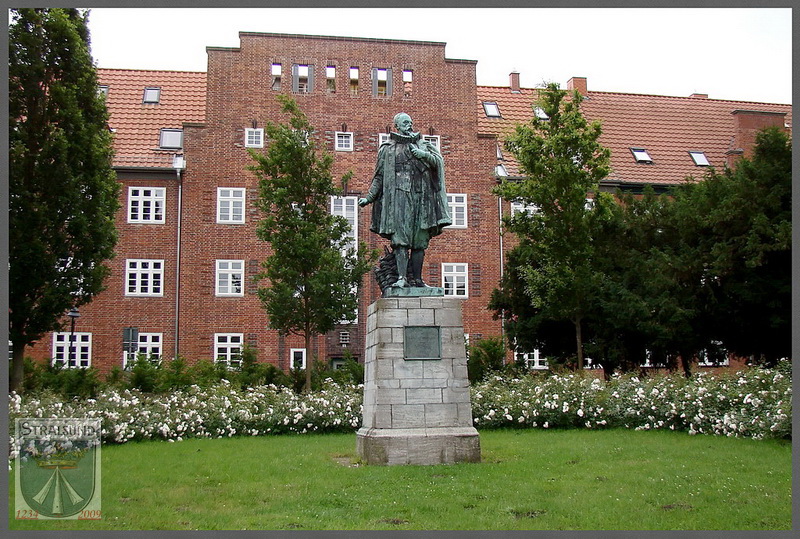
310 78
295 78
388 81
374 81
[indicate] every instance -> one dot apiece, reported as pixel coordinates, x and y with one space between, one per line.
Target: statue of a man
408 196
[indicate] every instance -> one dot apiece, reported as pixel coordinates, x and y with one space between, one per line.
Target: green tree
315 269
63 191
563 163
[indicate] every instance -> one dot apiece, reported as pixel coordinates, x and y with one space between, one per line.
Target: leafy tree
314 270
63 191
563 162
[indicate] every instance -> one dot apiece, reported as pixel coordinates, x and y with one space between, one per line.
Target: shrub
486 357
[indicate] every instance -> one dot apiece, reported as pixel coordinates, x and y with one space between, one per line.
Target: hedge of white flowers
753 403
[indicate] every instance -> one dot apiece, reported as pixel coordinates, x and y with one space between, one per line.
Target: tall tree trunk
15 382
579 342
309 359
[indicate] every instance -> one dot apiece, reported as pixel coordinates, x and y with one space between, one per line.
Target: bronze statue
409 198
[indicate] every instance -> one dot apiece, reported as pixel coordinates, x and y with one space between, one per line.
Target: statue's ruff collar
399 137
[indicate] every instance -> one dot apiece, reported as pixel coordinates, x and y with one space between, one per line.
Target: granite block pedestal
416 391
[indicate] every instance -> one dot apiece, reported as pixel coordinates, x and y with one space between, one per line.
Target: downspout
178 164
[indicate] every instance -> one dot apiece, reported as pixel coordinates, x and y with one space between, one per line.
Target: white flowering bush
218 411
754 403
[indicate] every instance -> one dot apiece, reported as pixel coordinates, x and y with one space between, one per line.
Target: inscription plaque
422 342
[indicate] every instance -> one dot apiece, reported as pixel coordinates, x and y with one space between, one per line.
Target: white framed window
454 280
230 205
102 89
230 278
520 207
381 81
144 277
354 80
171 139
715 356
408 82
491 109
435 140
72 350
146 204
641 155
152 94
344 141
457 204
302 78
253 137
330 79
347 207
297 358
700 159
149 346
533 360
382 137
228 349
276 76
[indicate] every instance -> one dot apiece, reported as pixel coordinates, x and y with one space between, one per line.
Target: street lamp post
74 314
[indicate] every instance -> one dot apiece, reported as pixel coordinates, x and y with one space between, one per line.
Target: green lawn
528 480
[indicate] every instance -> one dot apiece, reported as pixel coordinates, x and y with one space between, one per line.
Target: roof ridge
151 70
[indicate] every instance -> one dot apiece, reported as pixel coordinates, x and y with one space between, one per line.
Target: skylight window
641 155
700 159
151 95
540 113
491 109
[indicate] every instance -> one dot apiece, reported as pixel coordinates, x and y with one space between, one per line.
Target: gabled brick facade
164 279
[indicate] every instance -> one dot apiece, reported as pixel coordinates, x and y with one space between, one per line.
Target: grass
528 480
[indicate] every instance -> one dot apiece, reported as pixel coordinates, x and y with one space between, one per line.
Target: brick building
182 280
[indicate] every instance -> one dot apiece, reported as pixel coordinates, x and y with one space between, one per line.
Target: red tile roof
138 125
667 127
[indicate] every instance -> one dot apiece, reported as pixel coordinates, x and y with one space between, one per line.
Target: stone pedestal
416 391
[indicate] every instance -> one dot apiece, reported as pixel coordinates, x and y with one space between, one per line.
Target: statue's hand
418 153
362 202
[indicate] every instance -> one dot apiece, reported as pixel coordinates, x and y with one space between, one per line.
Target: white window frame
254 137
146 204
382 137
457 201
154 270
150 345
302 353
700 159
227 274
343 141
641 155
491 109
82 348
226 203
232 345
455 279
703 361
436 140
152 94
520 207
533 360
170 138
347 207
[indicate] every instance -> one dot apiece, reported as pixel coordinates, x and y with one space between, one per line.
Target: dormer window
491 109
700 159
641 155
151 95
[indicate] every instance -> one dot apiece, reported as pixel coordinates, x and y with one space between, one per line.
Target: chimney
514 81
747 123
577 83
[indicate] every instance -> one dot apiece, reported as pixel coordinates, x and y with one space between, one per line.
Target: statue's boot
401 256
417 258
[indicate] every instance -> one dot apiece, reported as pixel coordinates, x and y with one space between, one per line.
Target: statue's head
403 122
